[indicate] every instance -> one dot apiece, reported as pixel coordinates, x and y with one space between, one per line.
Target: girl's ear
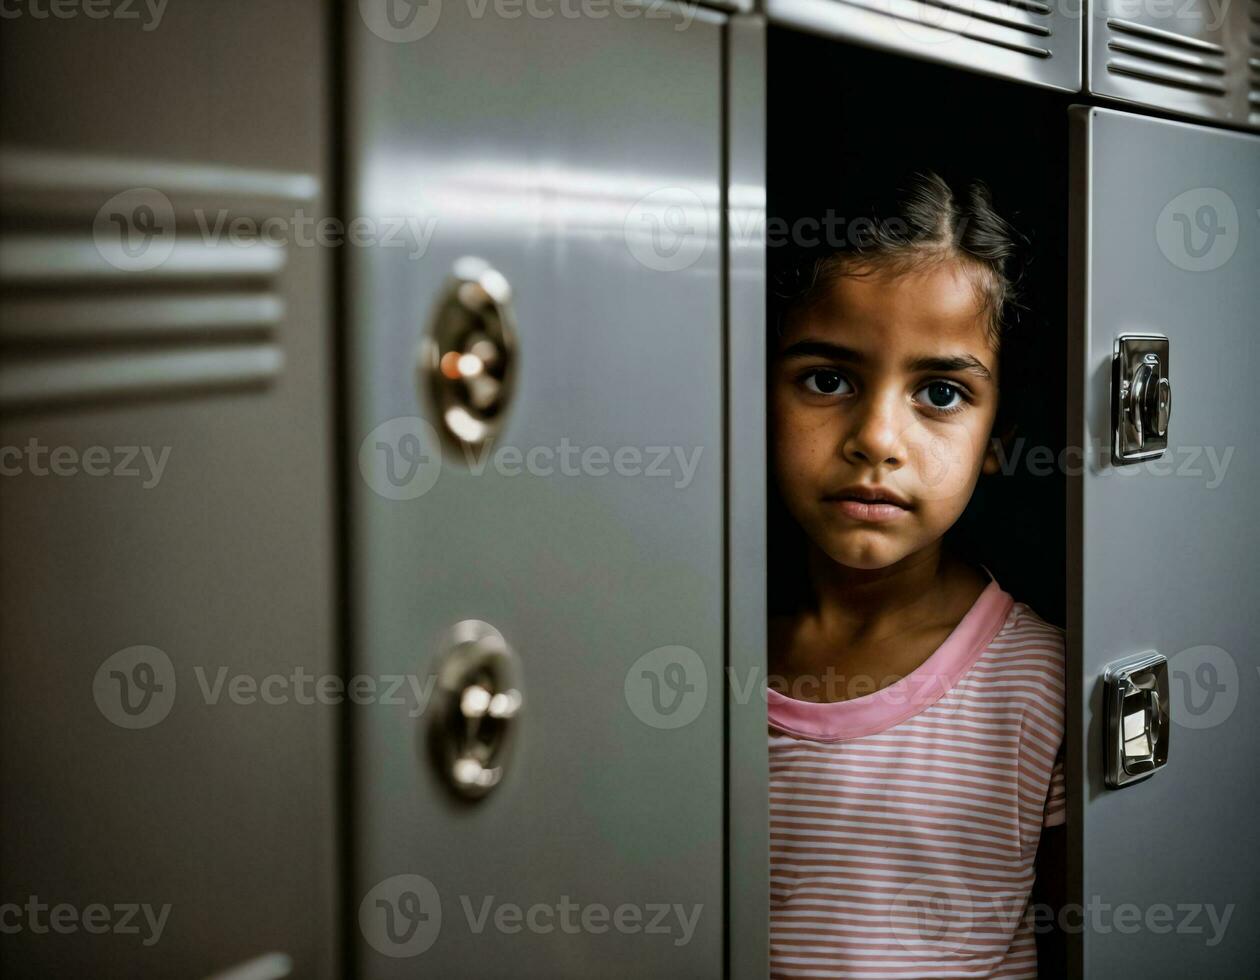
998 451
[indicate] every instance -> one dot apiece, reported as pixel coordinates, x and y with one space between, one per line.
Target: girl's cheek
943 462
809 426
798 459
792 458
809 441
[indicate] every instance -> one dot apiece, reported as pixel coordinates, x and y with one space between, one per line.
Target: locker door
580 160
1164 553
1025 40
166 492
1201 61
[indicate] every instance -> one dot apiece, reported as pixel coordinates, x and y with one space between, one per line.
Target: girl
916 708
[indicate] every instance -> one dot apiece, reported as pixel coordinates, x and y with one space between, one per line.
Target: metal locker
1161 552
1030 41
562 180
1200 60
166 504
747 914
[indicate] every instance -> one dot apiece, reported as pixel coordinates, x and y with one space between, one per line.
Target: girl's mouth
867 511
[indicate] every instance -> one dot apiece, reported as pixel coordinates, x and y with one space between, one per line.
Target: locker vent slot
175 288
1014 25
1033 41
1166 58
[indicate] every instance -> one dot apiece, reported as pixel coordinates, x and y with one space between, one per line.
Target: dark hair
918 221
921 220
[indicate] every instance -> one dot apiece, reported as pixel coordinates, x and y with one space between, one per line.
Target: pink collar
834 721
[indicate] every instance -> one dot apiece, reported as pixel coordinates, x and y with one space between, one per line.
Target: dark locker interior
839 119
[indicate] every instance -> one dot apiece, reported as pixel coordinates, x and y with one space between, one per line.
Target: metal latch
1136 691
466 361
1141 398
478 707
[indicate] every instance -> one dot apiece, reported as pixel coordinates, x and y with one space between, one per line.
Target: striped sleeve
1056 798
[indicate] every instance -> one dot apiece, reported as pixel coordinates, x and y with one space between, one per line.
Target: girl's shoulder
1023 619
1028 645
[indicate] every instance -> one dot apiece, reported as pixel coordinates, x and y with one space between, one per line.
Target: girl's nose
875 434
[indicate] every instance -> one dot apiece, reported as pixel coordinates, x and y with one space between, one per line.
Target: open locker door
563 177
1163 549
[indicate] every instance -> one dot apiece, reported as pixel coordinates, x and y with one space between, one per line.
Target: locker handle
478 708
1137 718
466 361
1141 397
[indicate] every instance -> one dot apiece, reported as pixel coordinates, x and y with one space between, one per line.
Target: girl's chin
862 556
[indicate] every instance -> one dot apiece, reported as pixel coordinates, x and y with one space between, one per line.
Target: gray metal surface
748 804
223 810
554 150
1196 59
1163 554
1028 41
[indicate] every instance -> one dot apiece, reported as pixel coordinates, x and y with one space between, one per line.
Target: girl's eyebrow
838 352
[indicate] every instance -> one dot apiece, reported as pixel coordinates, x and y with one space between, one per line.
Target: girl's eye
944 397
822 381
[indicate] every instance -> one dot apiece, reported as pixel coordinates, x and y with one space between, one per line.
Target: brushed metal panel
1197 60
553 150
1029 41
1141 263
43 181
223 811
748 763
31 382
76 289
53 259
99 317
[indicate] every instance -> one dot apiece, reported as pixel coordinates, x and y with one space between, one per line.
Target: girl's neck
867 605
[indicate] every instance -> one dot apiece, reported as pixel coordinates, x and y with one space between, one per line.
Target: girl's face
890 383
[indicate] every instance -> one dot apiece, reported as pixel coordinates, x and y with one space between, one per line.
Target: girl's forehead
932 310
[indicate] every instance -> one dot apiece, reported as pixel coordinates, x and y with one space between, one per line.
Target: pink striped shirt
904 823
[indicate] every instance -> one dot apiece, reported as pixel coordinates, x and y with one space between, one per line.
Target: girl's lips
875 513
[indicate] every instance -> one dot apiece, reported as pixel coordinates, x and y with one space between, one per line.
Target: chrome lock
478 702
466 361
1137 723
1141 398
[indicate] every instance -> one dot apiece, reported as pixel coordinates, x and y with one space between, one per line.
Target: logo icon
1198 230
135 687
401 459
400 21
942 468
1203 684
667 230
401 916
667 687
932 913
135 231
931 23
